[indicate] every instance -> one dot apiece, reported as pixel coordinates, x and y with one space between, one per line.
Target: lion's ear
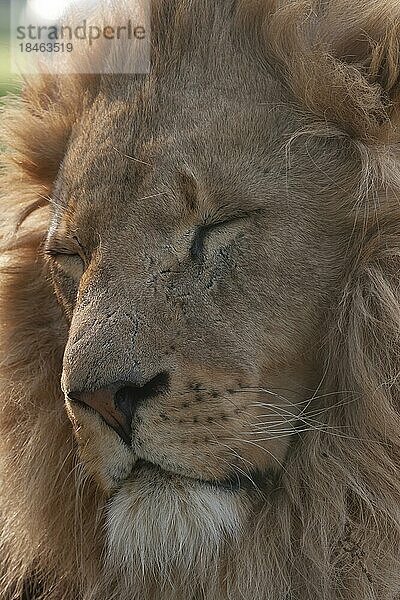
367 37
363 39
50 105
342 60
375 51
35 150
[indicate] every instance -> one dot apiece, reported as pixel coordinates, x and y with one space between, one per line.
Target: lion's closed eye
221 231
69 263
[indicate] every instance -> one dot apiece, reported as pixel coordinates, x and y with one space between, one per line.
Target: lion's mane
331 529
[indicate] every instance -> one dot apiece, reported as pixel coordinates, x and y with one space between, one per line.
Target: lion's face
223 238
196 289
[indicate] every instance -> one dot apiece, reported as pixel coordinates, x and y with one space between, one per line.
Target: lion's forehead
164 183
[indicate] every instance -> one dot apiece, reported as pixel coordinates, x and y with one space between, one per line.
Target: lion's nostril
125 400
118 402
128 397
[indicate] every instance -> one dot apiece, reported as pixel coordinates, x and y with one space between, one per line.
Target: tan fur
290 108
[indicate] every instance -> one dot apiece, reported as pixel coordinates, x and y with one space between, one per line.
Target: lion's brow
188 187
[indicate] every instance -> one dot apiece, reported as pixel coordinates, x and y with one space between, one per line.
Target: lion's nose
118 402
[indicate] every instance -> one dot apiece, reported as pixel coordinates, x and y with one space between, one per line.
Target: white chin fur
158 523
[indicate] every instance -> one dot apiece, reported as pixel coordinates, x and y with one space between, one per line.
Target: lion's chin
158 520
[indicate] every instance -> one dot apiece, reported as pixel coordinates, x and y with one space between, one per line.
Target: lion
200 314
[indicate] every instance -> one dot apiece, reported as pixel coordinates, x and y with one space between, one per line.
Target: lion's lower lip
233 483
145 465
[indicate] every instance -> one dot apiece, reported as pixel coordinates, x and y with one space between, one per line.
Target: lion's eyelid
197 246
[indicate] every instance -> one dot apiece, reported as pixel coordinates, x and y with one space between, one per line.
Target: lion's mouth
235 482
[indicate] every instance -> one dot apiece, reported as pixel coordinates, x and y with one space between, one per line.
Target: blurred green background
8 81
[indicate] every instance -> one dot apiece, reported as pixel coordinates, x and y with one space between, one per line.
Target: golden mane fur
331 529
